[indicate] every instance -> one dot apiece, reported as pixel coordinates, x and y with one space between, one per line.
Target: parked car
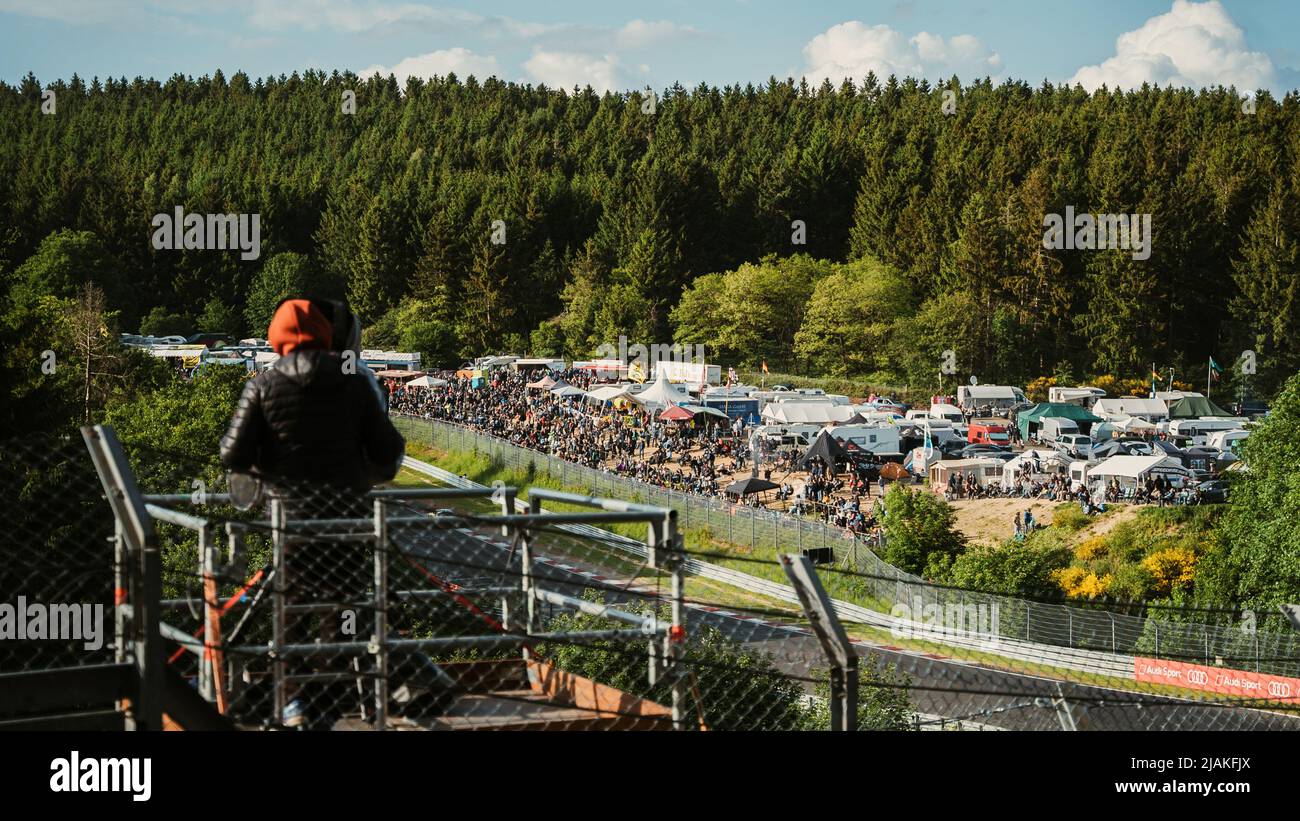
1136 447
1075 444
1213 492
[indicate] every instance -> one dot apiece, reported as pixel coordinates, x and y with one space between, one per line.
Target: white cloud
566 69
351 17
852 49
643 33
462 61
1193 45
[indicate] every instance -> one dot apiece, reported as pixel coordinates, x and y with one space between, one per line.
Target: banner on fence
1217 679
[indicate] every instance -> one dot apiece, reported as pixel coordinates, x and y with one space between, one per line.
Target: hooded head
298 325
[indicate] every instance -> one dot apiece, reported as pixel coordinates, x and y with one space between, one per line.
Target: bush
1070 517
920 536
1013 568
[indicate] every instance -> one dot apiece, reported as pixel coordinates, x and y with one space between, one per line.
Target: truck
985 434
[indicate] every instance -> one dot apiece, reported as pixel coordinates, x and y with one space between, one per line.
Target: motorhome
1120 408
1052 428
939 411
1083 396
940 430
1197 431
1227 441
879 440
1079 475
995 398
796 434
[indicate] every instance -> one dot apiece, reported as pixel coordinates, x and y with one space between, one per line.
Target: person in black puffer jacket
314 429
307 420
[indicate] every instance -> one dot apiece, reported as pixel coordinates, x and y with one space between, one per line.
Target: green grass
614 564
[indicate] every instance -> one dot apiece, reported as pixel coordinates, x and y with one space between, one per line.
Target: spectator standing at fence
317 433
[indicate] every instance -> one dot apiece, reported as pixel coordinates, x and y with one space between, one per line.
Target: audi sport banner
1217 679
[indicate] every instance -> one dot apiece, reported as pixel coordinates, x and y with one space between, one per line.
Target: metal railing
1263 644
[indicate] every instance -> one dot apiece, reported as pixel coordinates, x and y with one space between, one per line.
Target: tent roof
807 413
1131 406
607 393
545 383
1064 410
1133 423
676 413
706 410
1194 407
749 485
1134 467
567 390
426 382
660 393
828 448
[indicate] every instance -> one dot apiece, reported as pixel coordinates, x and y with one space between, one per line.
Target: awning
676 413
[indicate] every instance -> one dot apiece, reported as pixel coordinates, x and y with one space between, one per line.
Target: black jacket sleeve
384 446
240 445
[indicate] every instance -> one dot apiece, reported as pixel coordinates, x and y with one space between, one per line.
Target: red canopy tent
676 413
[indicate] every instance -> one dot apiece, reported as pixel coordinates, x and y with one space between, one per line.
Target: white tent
806 413
1135 424
1122 407
661 393
607 393
426 382
1042 464
1130 470
565 390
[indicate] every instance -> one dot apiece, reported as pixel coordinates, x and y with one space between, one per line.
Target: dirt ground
992 521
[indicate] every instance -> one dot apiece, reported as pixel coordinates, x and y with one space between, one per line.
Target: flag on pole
731 376
764 366
636 373
1215 369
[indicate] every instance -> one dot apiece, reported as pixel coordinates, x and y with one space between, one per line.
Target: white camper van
1052 428
997 398
880 440
1084 396
1199 430
941 430
1227 441
1078 475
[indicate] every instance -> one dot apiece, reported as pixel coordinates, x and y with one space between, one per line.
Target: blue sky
620 45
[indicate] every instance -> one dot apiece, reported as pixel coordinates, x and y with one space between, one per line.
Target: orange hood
299 325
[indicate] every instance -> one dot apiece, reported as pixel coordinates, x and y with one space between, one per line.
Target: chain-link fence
421 607
57 566
1257 641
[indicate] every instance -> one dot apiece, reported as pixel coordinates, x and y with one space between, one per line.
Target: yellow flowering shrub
1080 584
1091 549
1170 568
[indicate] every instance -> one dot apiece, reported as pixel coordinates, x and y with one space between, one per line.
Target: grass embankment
1138 553
612 562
